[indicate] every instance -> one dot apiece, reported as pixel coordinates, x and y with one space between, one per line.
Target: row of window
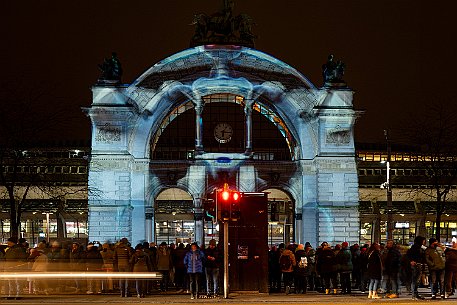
408 157
403 186
404 172
58 169
70 154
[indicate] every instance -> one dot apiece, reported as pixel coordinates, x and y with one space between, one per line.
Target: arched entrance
281 225
174 218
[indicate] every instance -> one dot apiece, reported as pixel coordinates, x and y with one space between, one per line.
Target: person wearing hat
301 270
212 265
15 260
194 264
435 259
344 260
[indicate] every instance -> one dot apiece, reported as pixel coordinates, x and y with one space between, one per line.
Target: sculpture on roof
223 28
333 72
111 70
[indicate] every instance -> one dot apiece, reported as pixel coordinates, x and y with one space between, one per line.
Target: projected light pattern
263 109
279 123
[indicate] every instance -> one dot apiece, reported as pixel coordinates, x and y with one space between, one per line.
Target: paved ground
235 298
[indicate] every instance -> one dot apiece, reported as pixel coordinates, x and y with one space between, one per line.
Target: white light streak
64 275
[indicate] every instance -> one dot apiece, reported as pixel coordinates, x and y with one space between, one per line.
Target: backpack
284 262
303 263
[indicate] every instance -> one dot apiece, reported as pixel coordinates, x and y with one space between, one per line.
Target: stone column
150 225
198 127
199 223
248 114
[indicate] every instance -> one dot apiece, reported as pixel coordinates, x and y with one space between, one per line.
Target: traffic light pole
226 260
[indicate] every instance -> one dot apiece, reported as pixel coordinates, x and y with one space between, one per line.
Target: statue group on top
333 72
111 70
223 28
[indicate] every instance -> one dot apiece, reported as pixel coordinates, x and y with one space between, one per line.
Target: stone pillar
139 176
298 230
149 230
199 222
309 225
248 113
198 127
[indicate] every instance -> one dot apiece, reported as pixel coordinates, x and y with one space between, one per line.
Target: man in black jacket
391 267
213 260
416 256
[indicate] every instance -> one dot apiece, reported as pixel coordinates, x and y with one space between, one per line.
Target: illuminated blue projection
129 122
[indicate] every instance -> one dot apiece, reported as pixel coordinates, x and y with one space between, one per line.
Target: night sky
400 54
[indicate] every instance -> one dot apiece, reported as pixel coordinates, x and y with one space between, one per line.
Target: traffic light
209 205
223 204
228 204
235 211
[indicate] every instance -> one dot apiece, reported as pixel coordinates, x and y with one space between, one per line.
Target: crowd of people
381 270
182 267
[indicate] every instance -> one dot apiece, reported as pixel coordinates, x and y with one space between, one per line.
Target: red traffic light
225 195
235 196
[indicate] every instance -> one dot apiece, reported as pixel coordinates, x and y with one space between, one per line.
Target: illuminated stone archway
321 175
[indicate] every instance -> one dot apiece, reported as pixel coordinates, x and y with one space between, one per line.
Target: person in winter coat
94 263
108 259
164 264
416 256
287 263
40 265
391 268
344 260
141 263
77 262
311 258
374 270
435 259
327 267
15 259
301 270
194 264
180 268
356 267
451 268
274 270
213 262
121 263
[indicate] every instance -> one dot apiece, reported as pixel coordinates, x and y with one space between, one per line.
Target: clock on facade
223 132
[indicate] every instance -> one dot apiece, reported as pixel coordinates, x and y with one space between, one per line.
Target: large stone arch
155 104
322 177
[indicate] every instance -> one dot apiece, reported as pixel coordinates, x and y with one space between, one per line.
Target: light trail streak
63 275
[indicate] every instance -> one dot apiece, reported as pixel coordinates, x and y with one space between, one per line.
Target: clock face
223 132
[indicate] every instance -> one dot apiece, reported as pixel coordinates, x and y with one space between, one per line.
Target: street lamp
387 185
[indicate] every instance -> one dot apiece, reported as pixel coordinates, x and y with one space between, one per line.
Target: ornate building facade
219 114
